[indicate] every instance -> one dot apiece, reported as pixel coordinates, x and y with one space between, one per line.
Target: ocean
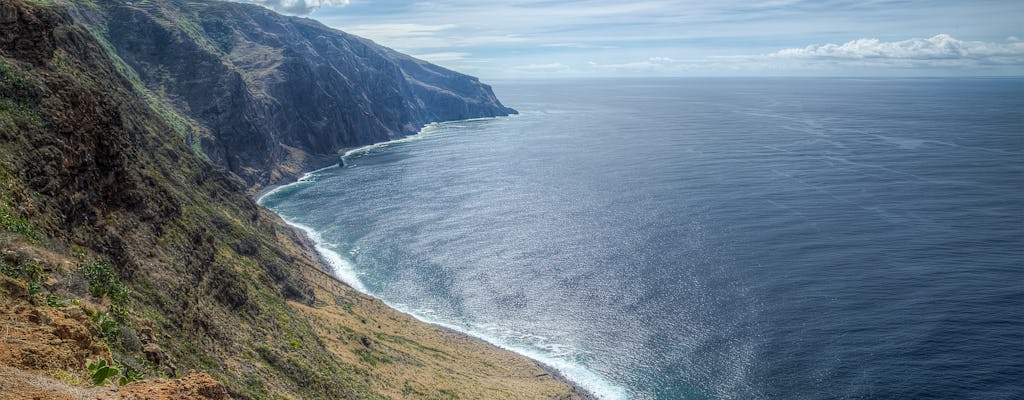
707 238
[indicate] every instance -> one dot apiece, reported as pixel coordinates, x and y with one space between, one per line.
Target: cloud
442 56
297 7
414 37
938 49
543 68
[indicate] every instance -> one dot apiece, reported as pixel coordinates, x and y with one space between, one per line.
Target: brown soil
23 385
46 339
194 386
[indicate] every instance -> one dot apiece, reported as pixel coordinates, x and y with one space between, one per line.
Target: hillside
266 95
120 241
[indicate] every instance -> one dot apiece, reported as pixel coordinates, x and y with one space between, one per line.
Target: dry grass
410 359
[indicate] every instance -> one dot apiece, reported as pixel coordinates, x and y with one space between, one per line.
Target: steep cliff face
270 95
119 241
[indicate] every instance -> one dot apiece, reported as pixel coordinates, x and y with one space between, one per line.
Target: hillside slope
118 241
267 95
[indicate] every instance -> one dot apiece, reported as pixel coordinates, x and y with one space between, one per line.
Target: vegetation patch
103 282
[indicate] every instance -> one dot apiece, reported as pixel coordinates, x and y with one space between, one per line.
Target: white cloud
404 36
938 49
543 68
298 7
442 56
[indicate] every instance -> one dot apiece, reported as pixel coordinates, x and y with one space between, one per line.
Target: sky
599 38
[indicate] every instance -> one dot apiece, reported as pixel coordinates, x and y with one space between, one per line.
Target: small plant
10 220
55 301
100 371
67 377
34 287
129 375
29 271
107 326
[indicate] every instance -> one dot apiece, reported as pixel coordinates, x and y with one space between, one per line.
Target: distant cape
268 96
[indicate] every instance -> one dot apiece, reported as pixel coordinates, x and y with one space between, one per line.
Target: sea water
708 239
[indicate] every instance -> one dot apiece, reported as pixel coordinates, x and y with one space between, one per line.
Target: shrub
129 374
55 301
100 371
103 281
28 271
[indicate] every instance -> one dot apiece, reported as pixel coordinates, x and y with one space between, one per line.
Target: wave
345 270
426 130
304 179
575 372
342 268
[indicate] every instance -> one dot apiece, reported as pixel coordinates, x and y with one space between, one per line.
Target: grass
10 219
28 271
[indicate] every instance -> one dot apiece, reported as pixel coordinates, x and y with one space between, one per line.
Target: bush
103 281
100 371
107 326
28 271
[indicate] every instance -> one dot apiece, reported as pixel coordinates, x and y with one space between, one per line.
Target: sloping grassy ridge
109 216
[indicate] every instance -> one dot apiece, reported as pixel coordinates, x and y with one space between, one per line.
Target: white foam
342 268
427 129
346 271
305 178
587 379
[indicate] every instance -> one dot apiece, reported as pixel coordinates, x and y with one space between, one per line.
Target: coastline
306 235
327 270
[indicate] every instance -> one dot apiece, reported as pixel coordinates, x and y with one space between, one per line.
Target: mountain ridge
269 96
120 241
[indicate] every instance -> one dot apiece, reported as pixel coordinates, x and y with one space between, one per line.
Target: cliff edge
267 96
121 243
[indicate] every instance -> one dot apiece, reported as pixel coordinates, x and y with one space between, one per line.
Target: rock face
120 241
267 96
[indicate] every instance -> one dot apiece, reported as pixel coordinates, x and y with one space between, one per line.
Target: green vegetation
18 110
103 282
10 220
372 357
154 252
107 326
129 375
100 371
55 301
28 271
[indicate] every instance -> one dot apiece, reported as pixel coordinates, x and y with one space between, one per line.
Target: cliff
120 241
266 95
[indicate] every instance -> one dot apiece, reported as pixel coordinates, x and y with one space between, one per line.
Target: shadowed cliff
266 95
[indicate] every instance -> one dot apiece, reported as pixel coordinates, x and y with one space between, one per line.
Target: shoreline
305 234
327 269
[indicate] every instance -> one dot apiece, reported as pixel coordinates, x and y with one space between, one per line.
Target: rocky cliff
120 242
266 95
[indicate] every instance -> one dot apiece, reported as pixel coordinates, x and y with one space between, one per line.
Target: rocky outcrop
269 95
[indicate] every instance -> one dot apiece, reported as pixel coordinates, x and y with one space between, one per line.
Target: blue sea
707 238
